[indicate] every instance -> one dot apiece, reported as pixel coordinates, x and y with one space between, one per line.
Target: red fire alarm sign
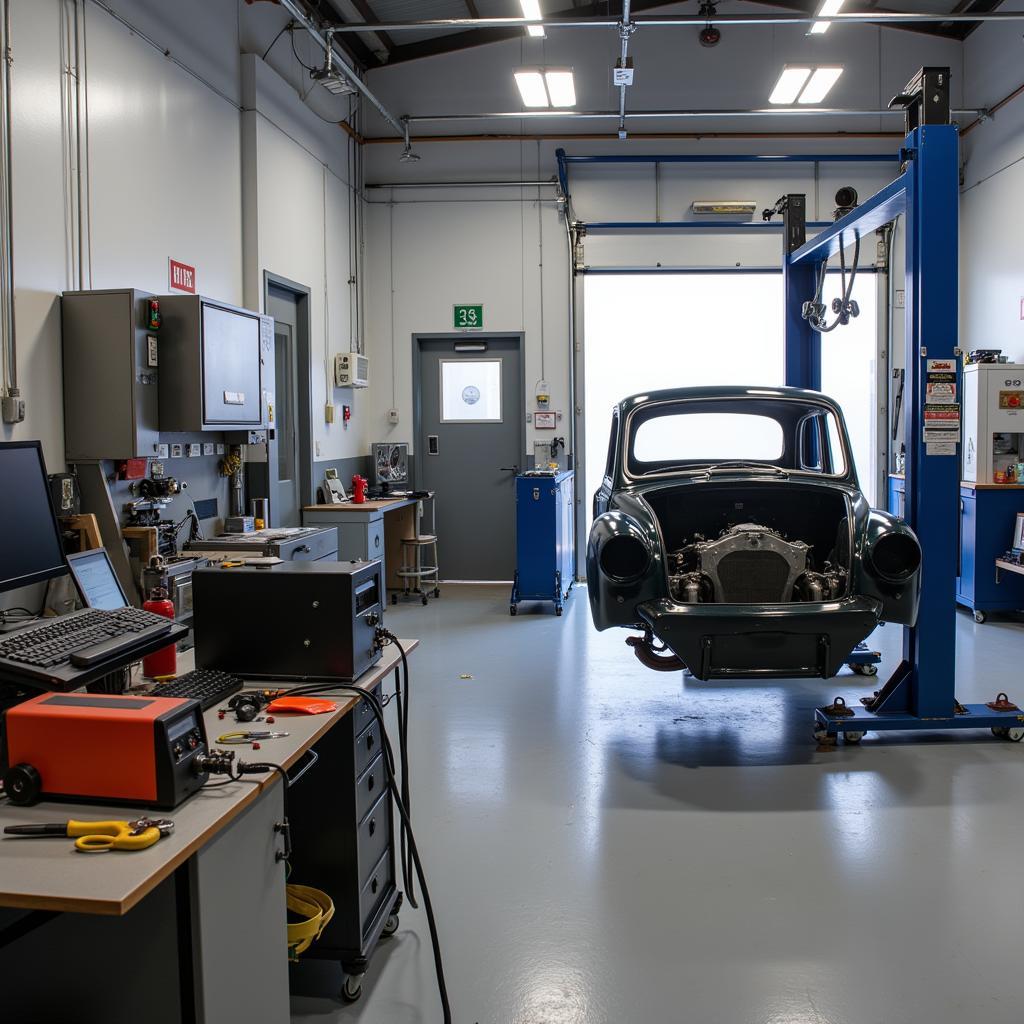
181 277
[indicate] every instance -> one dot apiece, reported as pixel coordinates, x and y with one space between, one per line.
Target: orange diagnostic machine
106 748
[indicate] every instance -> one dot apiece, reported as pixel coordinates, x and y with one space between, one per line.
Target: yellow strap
316 907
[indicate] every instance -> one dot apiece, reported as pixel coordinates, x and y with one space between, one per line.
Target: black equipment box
293 620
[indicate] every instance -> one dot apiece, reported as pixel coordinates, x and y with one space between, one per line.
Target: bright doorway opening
643 332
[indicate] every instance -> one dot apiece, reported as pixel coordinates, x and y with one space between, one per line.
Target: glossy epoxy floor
610 845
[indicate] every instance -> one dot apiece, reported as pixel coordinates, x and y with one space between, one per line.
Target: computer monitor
97 582
30 546
390 464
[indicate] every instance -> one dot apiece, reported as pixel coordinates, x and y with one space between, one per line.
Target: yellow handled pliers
101 836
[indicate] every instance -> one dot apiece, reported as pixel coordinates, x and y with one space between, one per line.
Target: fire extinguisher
359 489
165 661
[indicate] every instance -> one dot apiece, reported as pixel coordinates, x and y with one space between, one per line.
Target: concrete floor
610 845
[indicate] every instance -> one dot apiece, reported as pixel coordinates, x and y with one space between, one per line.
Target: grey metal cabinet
111 407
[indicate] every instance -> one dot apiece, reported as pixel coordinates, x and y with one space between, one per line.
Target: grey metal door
469 446
285 470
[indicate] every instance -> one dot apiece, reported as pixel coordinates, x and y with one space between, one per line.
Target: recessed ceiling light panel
531 12
828 8
821 81
561 87
788 87
531 87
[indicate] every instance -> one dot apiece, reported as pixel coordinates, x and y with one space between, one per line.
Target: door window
285 413
470 390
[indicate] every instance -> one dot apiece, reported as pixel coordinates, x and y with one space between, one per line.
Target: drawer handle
370 783
372 827
374 887
369 742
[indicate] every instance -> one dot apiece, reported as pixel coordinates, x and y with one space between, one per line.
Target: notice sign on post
181 277
468 317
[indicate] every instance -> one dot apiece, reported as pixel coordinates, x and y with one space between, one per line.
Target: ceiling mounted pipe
689 21
636 136
341 64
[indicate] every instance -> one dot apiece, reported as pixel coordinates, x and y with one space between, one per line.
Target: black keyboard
209 686
84 638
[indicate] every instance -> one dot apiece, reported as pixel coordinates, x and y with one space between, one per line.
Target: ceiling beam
810 6
468 38
366 12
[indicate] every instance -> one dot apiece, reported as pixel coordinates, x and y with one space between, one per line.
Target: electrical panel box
111 367
213 361
993 443
351 370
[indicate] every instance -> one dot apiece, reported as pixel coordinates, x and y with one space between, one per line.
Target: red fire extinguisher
165 661
359 489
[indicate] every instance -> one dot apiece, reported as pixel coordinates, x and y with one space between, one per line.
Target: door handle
509 469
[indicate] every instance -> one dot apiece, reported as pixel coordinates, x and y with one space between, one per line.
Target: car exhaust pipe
650 656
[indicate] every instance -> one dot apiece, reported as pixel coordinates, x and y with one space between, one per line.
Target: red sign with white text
181 277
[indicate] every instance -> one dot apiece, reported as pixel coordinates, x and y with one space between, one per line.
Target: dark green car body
774 566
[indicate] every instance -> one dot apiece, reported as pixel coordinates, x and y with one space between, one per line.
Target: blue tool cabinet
544 539
988 513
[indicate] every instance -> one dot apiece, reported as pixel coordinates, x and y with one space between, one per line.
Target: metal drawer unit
307 544
346 846
544 538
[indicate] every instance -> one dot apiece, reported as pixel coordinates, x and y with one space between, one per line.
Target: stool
413 571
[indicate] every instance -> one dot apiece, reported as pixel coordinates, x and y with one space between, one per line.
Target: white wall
991 219
472 245
165 163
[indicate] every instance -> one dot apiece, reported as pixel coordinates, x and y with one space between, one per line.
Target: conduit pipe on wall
7 325
985 115
625 31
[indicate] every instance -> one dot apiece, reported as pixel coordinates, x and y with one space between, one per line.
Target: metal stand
920 694
413 572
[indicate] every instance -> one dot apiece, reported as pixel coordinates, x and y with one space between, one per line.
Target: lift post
921 692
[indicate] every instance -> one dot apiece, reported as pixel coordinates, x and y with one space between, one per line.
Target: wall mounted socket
329 412
162 451
392 416
177 450
207 447
13 409
195 449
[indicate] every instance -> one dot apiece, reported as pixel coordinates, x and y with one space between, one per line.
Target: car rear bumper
719 641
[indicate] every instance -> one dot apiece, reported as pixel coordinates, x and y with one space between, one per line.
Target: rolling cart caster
22 784
353 988
513 610
1000 731
558 609
437 591
865 670
390 925
1014 734
823 736
423 598
980 616
852 737
394 599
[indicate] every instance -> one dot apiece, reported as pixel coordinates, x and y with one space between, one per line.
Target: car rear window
707 437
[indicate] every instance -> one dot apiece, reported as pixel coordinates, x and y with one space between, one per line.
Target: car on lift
731 531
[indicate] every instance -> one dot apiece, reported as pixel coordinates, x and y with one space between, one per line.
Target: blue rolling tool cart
545 558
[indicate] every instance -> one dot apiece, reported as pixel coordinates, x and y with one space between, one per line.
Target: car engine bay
749 563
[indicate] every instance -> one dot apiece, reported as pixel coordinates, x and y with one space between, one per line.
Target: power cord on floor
324 689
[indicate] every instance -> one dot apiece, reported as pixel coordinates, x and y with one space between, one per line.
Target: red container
359 484
165 661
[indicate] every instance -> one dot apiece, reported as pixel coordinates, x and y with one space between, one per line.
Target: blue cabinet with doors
988 513
545 559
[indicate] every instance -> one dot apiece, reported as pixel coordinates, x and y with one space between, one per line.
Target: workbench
191 929
372 529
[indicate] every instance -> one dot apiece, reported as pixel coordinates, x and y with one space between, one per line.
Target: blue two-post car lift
921 692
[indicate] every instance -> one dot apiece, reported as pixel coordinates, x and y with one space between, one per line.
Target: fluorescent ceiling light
531 87
531 12
828 8
561 87
821 81
546 87
788 87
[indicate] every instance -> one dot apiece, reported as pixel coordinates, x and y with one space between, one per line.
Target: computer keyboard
83 638
209 686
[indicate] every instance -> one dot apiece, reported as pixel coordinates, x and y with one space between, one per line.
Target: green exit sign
468 318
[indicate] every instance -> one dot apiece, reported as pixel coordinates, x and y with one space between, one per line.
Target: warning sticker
948 377
931 435
940 448
936 391
941 413
941 365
